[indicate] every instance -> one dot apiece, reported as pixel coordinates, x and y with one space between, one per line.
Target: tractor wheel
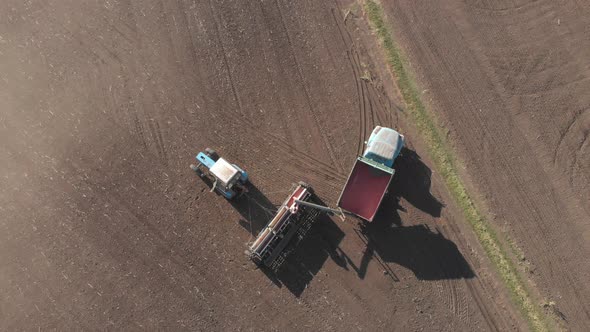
212 154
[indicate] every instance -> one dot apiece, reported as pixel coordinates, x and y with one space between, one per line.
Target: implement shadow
427 253
321 242
307 257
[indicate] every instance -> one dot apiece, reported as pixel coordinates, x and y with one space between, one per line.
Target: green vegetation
446 164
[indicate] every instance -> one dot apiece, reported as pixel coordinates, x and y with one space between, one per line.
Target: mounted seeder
287 228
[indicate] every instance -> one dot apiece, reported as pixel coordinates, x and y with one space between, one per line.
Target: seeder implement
289 226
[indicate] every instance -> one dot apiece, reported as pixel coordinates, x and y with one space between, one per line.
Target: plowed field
510 80
103 105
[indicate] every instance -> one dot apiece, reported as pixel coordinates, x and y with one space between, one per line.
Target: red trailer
365 188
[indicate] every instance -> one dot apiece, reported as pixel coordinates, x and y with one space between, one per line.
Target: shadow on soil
426 252
412 182
308 256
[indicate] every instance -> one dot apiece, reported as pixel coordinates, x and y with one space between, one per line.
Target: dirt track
510 79
103 225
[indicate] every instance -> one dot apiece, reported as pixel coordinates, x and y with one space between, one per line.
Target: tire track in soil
523 199
87 45
156 134
452 296
580 150
526 201
287 152
383 114
130 113
235 94
139 128
371 112
458 304
153 237
450 292
576 132
563 133
455 298
362 106
302 166
295 162
310 106
290 152
301 282
311 162
499 6
474 286
444 66
111 58
153 125
476 296
362 116
119 27
358 83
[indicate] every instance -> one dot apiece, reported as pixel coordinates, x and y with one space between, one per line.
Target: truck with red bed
371 174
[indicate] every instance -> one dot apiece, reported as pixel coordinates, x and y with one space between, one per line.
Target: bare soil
103 225
510 80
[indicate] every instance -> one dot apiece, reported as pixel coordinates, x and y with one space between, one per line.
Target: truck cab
384 145
229 179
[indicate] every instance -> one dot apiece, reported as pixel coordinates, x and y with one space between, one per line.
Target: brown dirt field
104 226
510 80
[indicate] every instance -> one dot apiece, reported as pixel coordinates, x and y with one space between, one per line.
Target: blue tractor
229 179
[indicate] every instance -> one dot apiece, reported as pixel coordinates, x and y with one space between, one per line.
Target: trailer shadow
412 182
425 251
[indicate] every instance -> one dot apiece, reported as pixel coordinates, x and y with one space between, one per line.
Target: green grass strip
445 162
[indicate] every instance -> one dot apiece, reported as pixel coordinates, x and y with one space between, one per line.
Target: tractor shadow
255 209
310 254
424 251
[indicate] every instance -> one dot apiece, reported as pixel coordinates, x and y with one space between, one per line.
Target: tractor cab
226 177
229 179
